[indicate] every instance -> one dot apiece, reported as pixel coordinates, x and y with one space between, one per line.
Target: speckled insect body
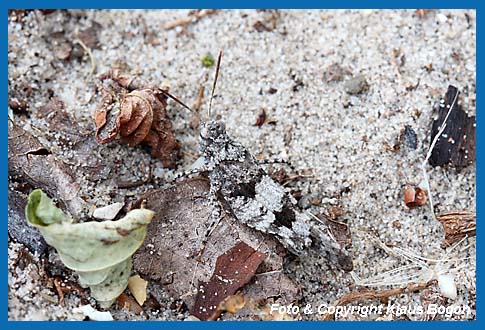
244 189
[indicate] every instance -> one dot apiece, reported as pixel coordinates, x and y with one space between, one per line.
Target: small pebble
356 85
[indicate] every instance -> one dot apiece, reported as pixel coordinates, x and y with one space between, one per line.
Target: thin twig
377 294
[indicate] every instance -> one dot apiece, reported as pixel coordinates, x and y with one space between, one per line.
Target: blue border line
239 4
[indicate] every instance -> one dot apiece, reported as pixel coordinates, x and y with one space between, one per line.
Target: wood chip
456 145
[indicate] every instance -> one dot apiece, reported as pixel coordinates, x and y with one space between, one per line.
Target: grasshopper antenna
215 81
176 99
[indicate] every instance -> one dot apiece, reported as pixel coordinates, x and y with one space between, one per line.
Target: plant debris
456 145
231 304
233 270
108 212
28 158
339 230
268 24
170 253
457 225
100 252
64 286
135 111
367 294
66 132
414 197
18 227
138 288
194 16
126 302
208 61
261 118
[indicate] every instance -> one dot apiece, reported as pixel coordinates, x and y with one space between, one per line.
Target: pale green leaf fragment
41 211
100 252
114 284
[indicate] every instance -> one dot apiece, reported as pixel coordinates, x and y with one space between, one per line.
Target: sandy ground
318 125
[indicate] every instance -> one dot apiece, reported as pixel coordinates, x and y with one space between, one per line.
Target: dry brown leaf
261 118
65 130
231 304
457 225
28 158
169 254
138 288
135 111
126 302
233 270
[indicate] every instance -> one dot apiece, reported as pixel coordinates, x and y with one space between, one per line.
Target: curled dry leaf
457 225
100 252
135 111
174 240
233 269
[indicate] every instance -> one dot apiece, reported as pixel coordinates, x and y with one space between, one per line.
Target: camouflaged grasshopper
243 188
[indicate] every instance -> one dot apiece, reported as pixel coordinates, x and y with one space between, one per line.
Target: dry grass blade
430 151
90 55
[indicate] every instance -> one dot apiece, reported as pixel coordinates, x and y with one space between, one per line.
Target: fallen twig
377 294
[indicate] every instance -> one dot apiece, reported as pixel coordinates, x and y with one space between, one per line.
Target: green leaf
106 291
41 211
100 252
